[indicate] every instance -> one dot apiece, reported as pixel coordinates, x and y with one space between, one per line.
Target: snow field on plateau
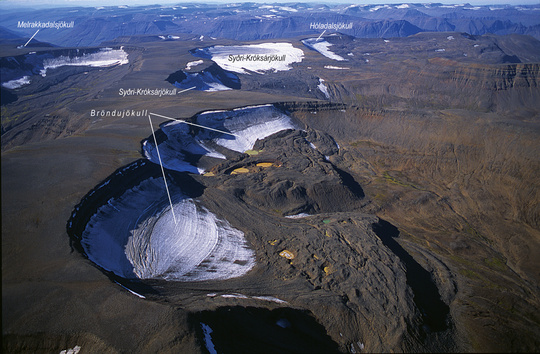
258 58
135 236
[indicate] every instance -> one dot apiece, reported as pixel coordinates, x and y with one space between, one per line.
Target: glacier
222 56
322 46
103 58
135 236
246 125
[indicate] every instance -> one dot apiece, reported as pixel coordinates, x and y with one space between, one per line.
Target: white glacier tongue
246 125
179 142
322 46
135 236
105 57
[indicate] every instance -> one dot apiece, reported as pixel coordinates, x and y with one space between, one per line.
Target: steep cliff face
445 83
497 86
501 77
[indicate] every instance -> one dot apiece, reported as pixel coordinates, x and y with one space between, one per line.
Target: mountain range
251 21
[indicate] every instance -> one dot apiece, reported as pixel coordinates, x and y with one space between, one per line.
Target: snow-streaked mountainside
259 58
246 125
136 236
251 21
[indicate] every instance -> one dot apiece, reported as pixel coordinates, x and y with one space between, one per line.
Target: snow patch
335 67
208 338
262 298
17 83
376 8
235 296
270 298
131 291
297 216
287 8
321 86
73 350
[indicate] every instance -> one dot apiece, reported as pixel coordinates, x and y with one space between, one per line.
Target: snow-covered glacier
18 71
259 58
103 58
322 46
137 236
244 126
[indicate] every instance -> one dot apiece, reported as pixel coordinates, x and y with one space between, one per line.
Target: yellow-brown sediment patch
240 170
265 164
286 254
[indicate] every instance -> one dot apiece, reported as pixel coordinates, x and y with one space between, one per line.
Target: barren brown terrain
424 226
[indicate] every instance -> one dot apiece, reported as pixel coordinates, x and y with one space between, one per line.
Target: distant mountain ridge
250 21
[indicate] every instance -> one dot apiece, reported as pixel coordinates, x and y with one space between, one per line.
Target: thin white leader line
197 125
30 38
191 88
162 170
320 36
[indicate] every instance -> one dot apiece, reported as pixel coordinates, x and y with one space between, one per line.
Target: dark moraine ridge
426 295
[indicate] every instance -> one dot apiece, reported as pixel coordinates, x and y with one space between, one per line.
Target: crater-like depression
128 226
138 235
